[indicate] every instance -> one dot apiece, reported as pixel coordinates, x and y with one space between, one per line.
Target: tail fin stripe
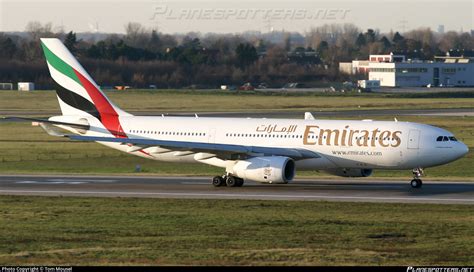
62 67
109 116
76 101
59 64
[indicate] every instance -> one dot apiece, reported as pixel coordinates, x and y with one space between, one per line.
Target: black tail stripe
76 101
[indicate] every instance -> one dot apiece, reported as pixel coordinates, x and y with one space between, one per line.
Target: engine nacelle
350 172
273 169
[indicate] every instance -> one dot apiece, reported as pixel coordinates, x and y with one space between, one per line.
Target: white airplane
262 150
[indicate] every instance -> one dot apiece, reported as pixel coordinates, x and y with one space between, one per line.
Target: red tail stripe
108 115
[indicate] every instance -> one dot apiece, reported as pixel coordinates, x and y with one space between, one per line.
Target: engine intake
275 169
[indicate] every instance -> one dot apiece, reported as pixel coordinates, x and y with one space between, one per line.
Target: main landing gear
416 181
227 180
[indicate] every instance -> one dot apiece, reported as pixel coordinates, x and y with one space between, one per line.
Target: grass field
118 231
185 101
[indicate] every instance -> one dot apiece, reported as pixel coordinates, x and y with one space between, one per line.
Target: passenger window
439 139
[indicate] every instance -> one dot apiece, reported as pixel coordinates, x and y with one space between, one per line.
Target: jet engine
274 169
350 172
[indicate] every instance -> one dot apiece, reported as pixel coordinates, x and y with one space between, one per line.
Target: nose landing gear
416 182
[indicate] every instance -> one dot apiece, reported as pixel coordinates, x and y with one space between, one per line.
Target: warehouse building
445 71
451 72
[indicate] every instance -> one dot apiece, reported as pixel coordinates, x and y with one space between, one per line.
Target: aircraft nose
462 149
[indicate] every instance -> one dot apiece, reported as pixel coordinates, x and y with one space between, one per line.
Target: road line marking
49 182
237 195
82 180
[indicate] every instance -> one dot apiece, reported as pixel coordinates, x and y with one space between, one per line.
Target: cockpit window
446 138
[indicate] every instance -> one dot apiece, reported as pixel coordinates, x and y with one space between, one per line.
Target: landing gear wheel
218 181
416 183
231 181
239 182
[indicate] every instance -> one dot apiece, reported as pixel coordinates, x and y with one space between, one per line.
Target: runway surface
282 114
200 188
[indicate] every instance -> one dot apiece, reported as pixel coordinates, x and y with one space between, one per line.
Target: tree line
143 57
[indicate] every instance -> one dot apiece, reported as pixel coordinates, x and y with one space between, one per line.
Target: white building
396 71
26 86
362 66
6 86
354 67
457 73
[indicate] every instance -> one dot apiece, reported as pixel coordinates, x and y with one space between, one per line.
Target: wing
195 147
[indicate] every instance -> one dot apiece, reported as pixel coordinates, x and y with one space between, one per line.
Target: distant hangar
396 71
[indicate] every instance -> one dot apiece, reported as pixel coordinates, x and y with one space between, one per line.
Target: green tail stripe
59 64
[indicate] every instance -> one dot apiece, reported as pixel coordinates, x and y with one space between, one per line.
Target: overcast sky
225 16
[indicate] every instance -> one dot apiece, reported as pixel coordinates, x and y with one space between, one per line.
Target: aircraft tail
77 92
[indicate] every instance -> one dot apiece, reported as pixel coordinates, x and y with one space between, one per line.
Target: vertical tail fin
77 92
76 89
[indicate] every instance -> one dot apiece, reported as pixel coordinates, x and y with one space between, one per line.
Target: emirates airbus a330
262 150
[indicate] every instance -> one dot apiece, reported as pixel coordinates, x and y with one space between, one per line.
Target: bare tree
423 35
136 35
38 30
449 41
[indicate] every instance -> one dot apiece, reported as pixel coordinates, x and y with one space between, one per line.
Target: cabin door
414 139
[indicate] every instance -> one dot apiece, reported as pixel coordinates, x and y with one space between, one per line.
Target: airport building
397 71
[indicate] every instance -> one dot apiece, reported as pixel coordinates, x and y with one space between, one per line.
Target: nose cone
462 149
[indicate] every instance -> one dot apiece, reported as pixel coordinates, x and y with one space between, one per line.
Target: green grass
119 231
164 101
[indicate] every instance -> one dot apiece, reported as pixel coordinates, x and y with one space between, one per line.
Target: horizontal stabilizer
52 130
79 126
